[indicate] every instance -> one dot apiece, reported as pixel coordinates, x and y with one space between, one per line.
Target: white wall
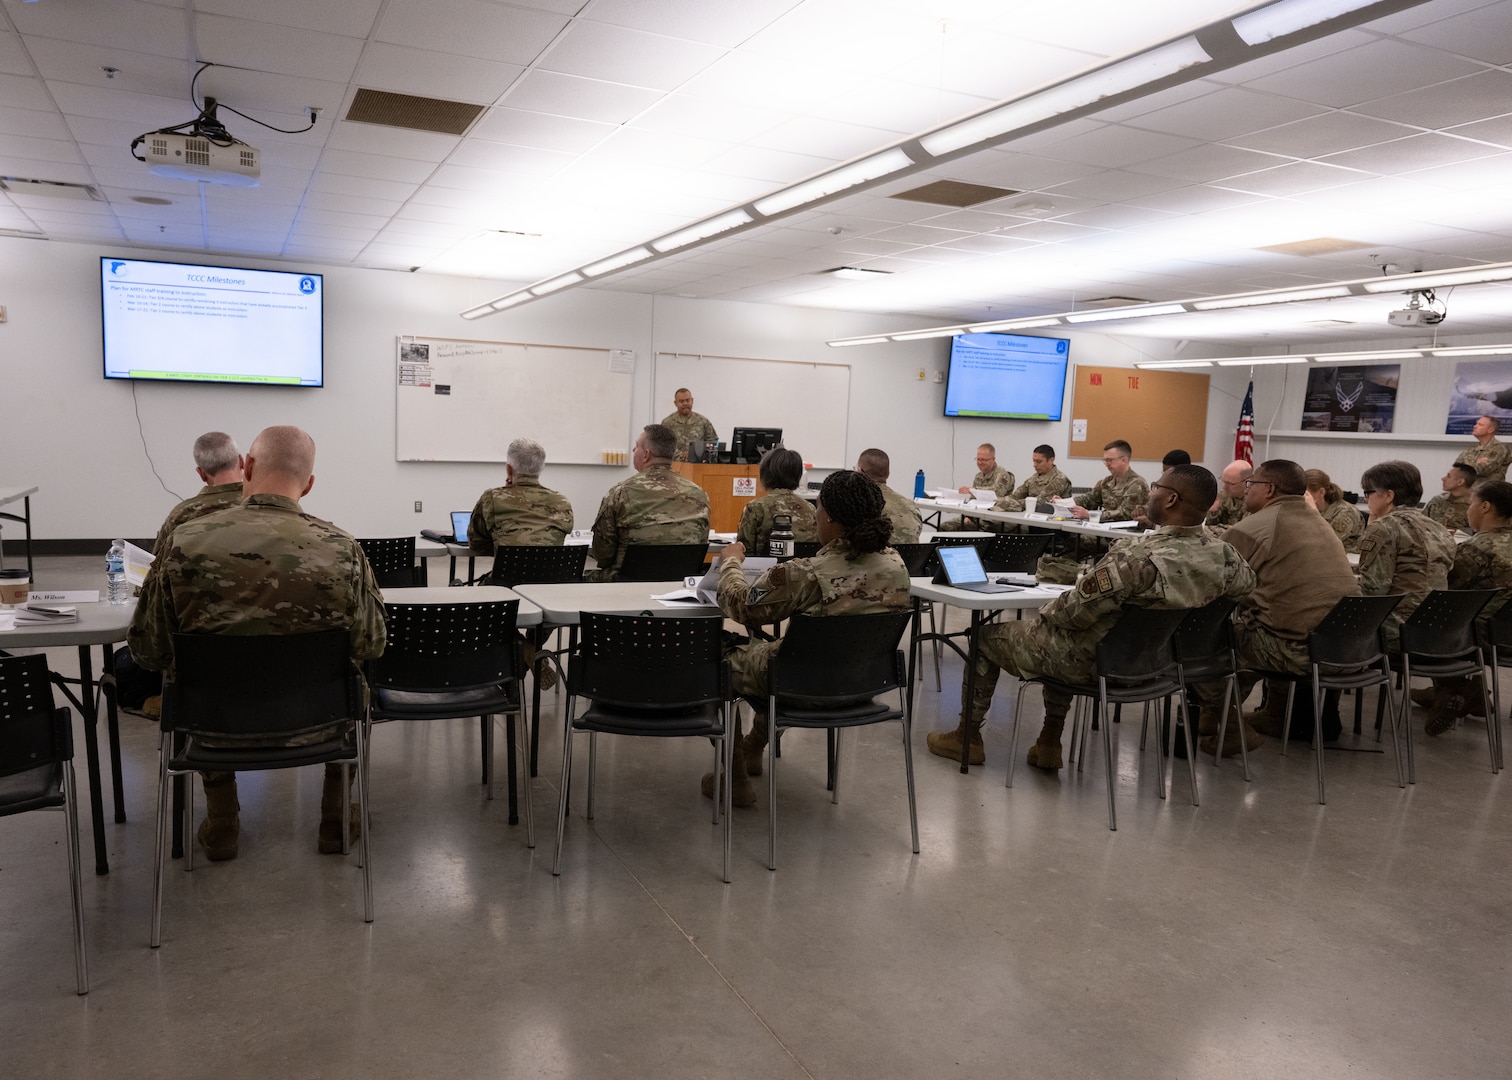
75 435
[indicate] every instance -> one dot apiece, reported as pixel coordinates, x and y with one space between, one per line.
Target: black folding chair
1015 553
826 675
444 661
649 676
1496 641
36 769
662 562
806 549
270 689
1205 651
546 564
392 559
1439 641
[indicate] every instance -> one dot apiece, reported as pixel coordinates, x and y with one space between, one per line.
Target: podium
718 482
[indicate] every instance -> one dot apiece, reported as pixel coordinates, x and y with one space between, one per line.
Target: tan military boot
332 800
742 791
947 744
220 833
753 744
1046 751
1268 720
1424 695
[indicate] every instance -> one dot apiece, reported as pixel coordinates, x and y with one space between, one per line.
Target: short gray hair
215 452
660 442
526 456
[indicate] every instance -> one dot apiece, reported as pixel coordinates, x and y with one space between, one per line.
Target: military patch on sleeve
1368 545
1098 582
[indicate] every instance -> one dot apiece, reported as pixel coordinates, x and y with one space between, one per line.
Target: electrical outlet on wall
417 506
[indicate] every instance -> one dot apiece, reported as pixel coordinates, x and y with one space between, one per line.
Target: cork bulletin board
1153 411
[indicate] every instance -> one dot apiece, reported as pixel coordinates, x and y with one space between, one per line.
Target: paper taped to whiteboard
622 361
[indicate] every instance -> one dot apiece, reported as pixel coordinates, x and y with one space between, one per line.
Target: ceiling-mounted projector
201 150
1416 313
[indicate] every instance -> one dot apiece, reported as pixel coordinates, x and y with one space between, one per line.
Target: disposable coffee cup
15 586
1029 504
1094 516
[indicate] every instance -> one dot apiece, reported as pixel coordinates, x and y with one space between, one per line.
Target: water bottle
780 539
117 591
919 484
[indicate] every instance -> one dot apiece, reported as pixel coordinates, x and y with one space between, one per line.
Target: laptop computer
962 569
458 535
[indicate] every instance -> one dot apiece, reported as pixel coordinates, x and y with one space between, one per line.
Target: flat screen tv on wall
1006 376
180 322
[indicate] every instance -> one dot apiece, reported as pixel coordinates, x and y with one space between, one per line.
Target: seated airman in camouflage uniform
262 567
1179 565
1448 508
1342 517
781 471
1119 494
855 573
522 513
687 426
907 522
1046 483
1230 509
1402 551
219 465
655 506
990 476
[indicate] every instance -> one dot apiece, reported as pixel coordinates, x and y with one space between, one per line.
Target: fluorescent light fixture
511 300
701 230
1478 350
1255 361
990 125
1125 313
855 273
825 184
919 335
1174 364
617 262
848 342
1347 357
1289 16
556 284
1285 297
1011 324
1404 283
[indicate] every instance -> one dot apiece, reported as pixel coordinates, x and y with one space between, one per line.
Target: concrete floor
1259 935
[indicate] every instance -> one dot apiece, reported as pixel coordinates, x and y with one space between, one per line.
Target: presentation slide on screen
211 324
1006 375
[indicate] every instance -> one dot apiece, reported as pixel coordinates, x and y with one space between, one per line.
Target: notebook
962 567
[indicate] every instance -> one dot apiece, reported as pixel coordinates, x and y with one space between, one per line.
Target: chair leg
1404 712
190 839
484 730
1101 713
936 646
592 769
75 885
522 737
913 814
727 770
556 861
1291 696
835 766
1317 696
346 815
1231 694
1018 716
1493 715
1088 723
1191 748
160 860
1390 709
1490 720
364 850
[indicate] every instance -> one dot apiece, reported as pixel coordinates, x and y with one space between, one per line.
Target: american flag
1244 434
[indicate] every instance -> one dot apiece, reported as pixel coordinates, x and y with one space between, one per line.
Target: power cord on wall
146 452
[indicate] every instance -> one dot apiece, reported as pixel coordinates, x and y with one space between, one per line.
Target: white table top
99 624
12 494
529 614
1036 597
563 605
429 549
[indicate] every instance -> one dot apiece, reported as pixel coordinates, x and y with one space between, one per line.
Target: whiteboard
464 400
809 402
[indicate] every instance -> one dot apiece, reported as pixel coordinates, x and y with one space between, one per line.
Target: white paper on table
984 494
1120 524
138 562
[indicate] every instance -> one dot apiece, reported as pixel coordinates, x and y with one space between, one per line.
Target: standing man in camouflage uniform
1232 500
1402 551
219 465
655 506
907 522
1178 566
1045 483
522 513
781 471
855 573
990 476
1301 572
262 567
1449 508
687 426
1119 494
1489 457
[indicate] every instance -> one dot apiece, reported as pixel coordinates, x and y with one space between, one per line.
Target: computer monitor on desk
747 444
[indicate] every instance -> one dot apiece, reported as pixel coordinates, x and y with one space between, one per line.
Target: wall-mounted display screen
186 323
1006 376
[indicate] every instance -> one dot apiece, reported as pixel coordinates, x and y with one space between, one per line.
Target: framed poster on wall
1481 388
1359 398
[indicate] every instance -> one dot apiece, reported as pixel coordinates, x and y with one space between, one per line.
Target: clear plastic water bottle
117 590
919 484
780 539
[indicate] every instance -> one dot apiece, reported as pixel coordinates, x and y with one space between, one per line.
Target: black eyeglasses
1368 491
1249 483
1165 487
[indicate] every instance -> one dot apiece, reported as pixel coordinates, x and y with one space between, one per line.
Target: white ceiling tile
1118 146
771 166
27 146
309 229
519 160
520 128
383 141
322 250
580 98
149 110
1114 185
1196 199
33 122
1365 73
1486 173
363 186
1461 101
1294 178
1410 154
280 100
24 92
608 52
491 181
142 28
1205 163
991 244
896 107
402 230
974 63
404 70
1497 130
1328 133
725 23
352 18
1021 172
280 50
1254 71
680 113
491 31
662 149
768 82
142 73
31 169
374 166
13 59
1480 34
826 138
1117 217
1225 113
309 218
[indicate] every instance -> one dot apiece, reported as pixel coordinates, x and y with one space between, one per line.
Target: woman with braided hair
855 573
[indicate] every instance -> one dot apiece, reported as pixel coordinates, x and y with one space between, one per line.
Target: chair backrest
32 732
939 540
392 559
1350 634
1139 645
273 685
915 556
548 564
1499 628
1205 632
661 562
1444 623
840 657
806 549
448 646
650 662
1015 553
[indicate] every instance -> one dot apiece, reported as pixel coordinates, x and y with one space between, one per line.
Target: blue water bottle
919 484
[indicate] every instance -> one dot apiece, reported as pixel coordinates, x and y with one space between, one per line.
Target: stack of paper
46 614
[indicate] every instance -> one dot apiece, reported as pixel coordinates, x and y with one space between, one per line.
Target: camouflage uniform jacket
1485 562
1490 461
905 516
696 428
1053 485
1404 552
655 506
757 518
1118 499
1345 520
999 479
1229 511
264 567
208 500
1448 511
522 514
1300 568
837 581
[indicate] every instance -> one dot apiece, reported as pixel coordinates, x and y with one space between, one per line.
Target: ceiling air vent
416 113
954 193
1319 245
52 189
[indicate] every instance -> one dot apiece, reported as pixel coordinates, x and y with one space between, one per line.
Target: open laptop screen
460 518
963 566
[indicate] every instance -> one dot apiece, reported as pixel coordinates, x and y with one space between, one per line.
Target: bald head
281 462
